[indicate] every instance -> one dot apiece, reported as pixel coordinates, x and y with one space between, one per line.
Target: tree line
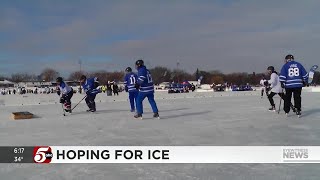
159 74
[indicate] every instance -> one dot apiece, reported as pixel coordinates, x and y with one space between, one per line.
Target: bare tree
180 76
217 79
2 78
160 74
21 77
116 76
75 76
49 74
101 75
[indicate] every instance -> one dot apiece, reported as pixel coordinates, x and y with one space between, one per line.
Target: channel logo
42 154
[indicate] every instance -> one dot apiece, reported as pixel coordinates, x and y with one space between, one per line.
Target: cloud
242 35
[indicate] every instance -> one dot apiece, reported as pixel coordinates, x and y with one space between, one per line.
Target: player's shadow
310 112
113 110
185 115
36 117
169 110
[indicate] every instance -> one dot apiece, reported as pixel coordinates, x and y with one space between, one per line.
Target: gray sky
231 36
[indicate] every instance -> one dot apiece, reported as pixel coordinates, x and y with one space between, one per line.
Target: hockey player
293 77
262 83
90 88
146 89
275 87
129 82
66 93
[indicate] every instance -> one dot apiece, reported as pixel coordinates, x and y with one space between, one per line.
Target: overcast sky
225 35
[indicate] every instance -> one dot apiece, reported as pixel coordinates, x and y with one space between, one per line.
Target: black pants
90 101
296 96
270 97
267 89
262 91
67 99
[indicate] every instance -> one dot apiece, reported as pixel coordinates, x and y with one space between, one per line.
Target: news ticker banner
160 154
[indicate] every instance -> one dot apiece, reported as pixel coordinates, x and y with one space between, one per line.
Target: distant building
6 84
43 84
34 84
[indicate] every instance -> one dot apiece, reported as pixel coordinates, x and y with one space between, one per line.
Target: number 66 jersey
293 74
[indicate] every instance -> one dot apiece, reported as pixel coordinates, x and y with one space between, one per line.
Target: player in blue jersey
293 77
66 93
129 82
90 88
146 89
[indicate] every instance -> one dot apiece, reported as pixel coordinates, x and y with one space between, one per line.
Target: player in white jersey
275 88
66 93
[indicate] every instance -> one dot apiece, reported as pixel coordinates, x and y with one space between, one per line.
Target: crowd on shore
109 89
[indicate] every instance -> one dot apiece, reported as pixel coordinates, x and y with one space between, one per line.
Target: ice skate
138 116
298 113
272 109
69 110
293 108
156 115
91 110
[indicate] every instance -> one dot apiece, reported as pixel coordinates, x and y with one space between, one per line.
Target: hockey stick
281 101
279 105
79 102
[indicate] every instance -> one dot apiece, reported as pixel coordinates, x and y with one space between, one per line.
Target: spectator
109 89
115 89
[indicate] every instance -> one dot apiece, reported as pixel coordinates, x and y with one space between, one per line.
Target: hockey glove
305 84
96 91
126 89
96 84
62 100
137 86
283 85
268 89
266 83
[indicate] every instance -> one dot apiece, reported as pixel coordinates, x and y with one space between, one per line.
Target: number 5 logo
42 154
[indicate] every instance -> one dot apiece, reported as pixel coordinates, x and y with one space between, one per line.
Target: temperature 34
18 159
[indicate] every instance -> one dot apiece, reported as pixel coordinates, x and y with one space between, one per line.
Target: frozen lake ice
209 118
